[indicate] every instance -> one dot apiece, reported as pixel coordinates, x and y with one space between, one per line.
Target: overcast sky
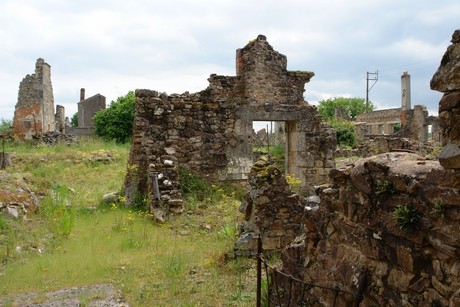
111 47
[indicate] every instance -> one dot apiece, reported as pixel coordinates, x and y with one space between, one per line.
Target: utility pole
375 78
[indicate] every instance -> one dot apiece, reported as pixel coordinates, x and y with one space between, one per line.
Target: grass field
75 240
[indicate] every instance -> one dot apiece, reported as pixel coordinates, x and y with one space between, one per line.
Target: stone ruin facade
270 210
87 108
210 132
412 123
447 80
392 218
34 112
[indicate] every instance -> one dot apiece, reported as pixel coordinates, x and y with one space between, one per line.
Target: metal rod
156 189
362 285
3 166
259 270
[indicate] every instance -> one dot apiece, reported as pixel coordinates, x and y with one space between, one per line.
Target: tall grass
186 262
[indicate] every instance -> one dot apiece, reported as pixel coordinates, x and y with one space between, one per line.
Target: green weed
384 187
438 209
57 211
407 218
181 263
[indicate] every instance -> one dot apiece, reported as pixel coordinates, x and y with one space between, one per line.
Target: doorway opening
277 141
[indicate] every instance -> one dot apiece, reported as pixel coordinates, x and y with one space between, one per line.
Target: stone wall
88 107
77 131
59 119
381 121
34 111
394 216
355 228
447 80
271 210
210 132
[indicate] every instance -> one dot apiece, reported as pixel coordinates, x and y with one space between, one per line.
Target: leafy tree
5 125
74 120
352 107
345 130
116 122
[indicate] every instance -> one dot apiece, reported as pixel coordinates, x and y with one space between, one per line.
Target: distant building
34 111
407 122
88 107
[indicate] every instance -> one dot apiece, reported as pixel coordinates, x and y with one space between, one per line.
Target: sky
111 47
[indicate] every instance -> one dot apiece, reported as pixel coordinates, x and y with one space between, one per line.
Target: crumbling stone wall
355 229
383 122
210 132
378 122
34 111
395 215
447 80
271 210
59 119
88 107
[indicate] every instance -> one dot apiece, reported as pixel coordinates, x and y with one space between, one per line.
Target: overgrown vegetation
384 187
351 106
345 132
74 240
407 218
5 125
438 209
116 122
346 136
74 120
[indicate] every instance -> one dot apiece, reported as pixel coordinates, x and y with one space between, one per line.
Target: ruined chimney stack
82 94
405 97
405 91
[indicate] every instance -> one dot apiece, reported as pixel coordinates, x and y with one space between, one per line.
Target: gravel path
96 295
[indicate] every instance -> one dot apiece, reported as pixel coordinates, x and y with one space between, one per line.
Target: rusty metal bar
362 285
268 284
259 271
156 189
3 166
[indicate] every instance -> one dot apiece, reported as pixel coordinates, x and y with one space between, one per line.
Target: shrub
345 132
384 187
116 122
439 208
407 218
5 125
294 182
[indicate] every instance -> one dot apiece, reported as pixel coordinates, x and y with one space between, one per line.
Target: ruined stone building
34 111
411 123
210 132
392 218
87 107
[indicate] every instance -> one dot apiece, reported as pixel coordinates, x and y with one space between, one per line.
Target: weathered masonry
87 108
210 132
34 111
414 123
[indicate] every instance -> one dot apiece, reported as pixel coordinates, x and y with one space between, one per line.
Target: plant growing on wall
438 209
384 187
407 218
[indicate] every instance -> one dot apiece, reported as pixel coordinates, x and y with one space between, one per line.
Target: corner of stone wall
271 211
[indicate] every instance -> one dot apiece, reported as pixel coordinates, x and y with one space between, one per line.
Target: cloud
112 46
